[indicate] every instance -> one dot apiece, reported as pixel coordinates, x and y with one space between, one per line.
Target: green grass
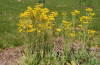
9 36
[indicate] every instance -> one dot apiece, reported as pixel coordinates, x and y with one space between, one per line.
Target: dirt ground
10 56
13 56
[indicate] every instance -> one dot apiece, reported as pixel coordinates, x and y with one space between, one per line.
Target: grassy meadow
10 37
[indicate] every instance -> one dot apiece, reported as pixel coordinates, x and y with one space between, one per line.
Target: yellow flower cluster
80 25
64 13
67 26
72 34
86 19
58 30
75 12
36 19
88 9
92 14
91 32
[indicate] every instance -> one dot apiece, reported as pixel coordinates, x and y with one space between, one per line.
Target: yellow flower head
49 27
91 32
51 18
80 25
77 12
45 10
84 18
85 22
20 30
41 4
73 31
73 13
88 9
29 8
64 21
90 18
72 34
58 30
32 29
54 14
64 13
92 14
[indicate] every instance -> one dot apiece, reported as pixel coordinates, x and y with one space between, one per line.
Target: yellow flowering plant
36 21
37 26
74 14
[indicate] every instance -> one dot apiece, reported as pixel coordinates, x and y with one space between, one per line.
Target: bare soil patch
9 56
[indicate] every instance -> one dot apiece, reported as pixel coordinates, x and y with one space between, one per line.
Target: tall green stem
84 40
